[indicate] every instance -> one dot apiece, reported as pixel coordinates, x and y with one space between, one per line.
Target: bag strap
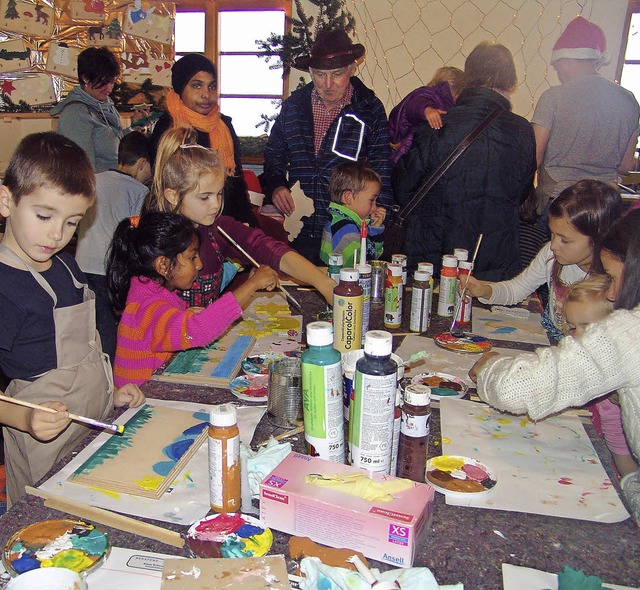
404 211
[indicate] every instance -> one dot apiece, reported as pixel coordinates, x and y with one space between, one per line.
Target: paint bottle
401 259
414 432
335 264
224 459
372 412
397 419
364 270
393 297
378 276
448 281
322 394
428 268
463 320
421 293
347 312
462 254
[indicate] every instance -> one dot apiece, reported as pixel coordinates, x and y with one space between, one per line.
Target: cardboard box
386 531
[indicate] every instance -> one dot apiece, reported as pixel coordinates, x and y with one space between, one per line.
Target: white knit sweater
605 358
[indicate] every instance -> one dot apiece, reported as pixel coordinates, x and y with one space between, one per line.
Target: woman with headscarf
193 102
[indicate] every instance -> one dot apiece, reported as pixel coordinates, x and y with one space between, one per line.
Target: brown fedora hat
330 50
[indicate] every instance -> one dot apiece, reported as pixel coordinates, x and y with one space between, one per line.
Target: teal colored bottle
322 394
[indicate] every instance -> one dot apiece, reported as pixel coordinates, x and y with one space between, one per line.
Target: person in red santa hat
588 126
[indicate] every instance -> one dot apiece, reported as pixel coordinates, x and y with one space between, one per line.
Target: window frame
633 8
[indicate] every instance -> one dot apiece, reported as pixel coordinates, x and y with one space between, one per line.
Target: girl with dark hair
579 216
150 258
604 358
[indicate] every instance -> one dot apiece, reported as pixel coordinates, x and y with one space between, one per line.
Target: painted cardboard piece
303 208
157 443
34 89
142 20
135 66
160 70
106 34
87 10
33 19
62 60
14 56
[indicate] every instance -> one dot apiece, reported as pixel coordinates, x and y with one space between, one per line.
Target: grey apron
82 380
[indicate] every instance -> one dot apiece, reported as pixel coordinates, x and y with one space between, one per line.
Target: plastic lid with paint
364 269
335 260
223 415
420 275
378 343
349 274
449 261
425 267
461 254
417 395
394 270
319 334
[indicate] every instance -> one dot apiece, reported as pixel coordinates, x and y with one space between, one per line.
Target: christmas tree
11 11
114 31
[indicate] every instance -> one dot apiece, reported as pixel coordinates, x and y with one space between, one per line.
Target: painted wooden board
303 208
215 365
498 325
157 443
547 467
250 573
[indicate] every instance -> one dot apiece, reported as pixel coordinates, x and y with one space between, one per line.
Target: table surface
462 544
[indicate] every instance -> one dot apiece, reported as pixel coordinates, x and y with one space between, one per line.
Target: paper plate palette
250 388
229 535
469 343
72 544
460 476
442 385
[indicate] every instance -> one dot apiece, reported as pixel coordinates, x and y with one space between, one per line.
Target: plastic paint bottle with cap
334 266
372 411
395 441
421 293
393 292
347 312
448 283
322 394
224 459
401 259
463 321
414 432
364 270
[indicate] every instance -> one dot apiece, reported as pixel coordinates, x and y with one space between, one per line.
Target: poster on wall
34 89
62 60
28 18
87 10
143 20
14 56
160 72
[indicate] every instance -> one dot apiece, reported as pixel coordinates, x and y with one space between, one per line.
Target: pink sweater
156 323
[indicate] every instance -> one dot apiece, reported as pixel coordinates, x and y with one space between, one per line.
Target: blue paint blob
195 430
163 467
177 449
25 563
505 330
248 530
324 583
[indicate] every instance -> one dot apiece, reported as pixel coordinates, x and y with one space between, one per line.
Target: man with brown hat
588 126
333 119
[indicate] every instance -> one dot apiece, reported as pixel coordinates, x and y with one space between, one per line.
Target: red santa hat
581 39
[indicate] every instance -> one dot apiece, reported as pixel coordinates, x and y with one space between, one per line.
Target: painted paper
14 56
498 325
143 19
63 60
34 19
548 467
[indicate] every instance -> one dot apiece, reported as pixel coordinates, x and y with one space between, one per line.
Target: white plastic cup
48 578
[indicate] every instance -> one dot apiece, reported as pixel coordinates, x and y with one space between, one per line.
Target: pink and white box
386 531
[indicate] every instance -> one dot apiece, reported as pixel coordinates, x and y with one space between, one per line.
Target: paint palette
468 343
72 544
229 535
251 388
442 385
460 476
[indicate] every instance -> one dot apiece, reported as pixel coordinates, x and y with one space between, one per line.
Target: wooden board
250 573
157 443
215 365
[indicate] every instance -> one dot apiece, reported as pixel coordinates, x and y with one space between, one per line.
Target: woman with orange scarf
193 102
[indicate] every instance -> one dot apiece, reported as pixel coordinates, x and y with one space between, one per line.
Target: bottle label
415 426
371 421
219 465
420 309
365 283
323 411
347 323
393 303
447 297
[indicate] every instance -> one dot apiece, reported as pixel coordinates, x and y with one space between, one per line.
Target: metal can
378 276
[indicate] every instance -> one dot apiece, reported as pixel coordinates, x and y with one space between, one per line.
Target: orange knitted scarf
219 135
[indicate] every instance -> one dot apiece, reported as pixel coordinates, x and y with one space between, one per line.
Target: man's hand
282 199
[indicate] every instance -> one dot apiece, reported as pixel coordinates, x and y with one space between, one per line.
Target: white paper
497 325
549 467
524 578
186 500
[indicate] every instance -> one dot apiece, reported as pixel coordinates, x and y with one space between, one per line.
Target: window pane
248 74
246 112
630 79
189 32
239 30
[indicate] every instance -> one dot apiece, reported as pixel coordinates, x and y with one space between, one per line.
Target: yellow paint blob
110 493
447 463
504 421
445 440
150 482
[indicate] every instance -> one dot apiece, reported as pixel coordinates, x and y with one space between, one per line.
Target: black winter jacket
480 193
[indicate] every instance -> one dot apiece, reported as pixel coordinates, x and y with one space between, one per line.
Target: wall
407 40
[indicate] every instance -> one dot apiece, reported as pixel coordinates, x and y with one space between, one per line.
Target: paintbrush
257 265
456 311
114 428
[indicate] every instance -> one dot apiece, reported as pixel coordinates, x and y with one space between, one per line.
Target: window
226 31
